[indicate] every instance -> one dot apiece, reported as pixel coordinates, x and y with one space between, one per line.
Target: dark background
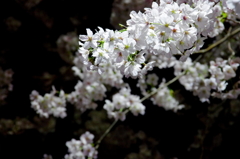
29 30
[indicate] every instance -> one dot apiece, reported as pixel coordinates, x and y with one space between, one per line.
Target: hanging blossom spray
153 38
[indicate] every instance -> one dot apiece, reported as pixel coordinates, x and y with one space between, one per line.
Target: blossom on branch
49 104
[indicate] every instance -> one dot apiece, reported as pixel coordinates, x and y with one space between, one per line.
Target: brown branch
219 42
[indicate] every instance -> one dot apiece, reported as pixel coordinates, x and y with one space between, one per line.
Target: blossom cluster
150 39
49 104
198 80
147 82
91 87
66 44
86 94
163 97
123 102
81 149
166 29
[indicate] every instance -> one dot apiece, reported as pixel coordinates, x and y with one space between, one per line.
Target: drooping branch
105 133
143 99
229 35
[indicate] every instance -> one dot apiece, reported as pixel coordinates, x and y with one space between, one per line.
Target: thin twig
105 133
168 83
144 98
165 85
235 21
231 50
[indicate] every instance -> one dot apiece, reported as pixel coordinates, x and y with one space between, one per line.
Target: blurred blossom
5 84
12 24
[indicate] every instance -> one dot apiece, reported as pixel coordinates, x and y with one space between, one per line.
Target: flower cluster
81 149
85 94
45 156
197 79
111 76
166 29
5 83
15 126
92 87
150 39
89 89
164 96
123 102
147 82
66 44
49 104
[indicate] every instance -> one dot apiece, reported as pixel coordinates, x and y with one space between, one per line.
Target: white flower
120 115
203 93
118 56
211 82
90 39
138 33
186 54
127 45
132 69
87 138
187 15
81 149
164 22
100 55
176 32
189 36
233 94
120 102
73 145
140 57
202 20
152 79
164 99
108 105
222 86
162 47
148 67
228 72
216 73
137 108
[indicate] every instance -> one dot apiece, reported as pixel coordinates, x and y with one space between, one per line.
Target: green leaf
122 30
223 17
